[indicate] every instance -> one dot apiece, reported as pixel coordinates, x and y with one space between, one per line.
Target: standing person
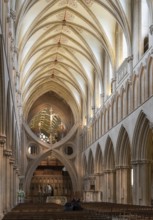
21 196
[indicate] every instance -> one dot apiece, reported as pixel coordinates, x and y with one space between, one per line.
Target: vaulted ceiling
61 47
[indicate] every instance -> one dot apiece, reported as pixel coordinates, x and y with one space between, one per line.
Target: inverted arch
69 167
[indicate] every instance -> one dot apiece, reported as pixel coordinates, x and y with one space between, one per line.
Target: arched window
121 46
144 25
108 77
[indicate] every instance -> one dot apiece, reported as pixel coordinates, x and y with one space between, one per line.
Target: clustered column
7 153
2 171
12 182
123 183
109 193
141 187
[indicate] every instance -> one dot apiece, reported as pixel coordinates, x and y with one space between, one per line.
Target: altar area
61 200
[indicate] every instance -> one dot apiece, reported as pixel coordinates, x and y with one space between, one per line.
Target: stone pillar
14 185
146 182
110 186
102 185
97 181
7 154
97 186
2 142
11 182
118 184
123 185
142 182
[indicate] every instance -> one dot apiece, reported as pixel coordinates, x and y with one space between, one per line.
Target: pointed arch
67 164
90 163
85 165
123 151
141 138
142 157
109 159
123 167
98 160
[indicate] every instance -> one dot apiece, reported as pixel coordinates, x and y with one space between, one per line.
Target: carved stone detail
88 2
17 171
151 29
2 140
16 50
7 153
138 162
13 14
122 167
151 125
130 58
14 166
8 19
12 161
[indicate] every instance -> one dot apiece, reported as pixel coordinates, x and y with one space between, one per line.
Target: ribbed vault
67 42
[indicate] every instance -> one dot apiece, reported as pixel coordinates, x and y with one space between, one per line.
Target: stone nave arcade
76 94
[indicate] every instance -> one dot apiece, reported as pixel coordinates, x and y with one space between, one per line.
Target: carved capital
16 50
2 140
151 29
12 161
123 167
108 171
140 162
88 2
10 35
151 125
93 107
17 74
17 171
13 14
129 82
8 19
113 80
130 58
7 153
151 52
19 92
14 166
102 95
